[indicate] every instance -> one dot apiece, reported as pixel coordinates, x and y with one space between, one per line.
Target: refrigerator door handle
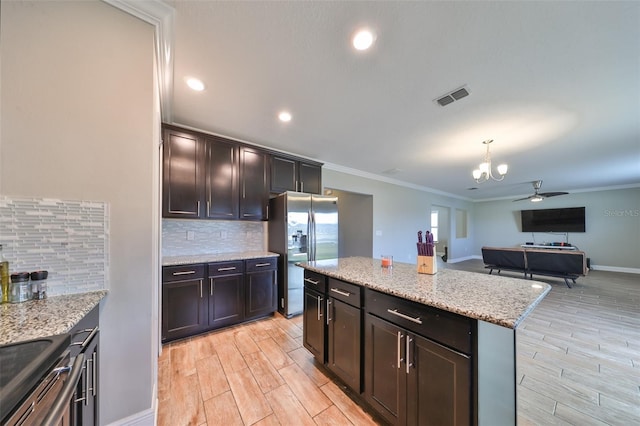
309 231
313 234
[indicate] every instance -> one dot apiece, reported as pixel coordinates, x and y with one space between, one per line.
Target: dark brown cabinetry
261 287
254 184
221 178
410 378
291 174
85 339
226 293
183 175
344 325
184 301
201 297
313 323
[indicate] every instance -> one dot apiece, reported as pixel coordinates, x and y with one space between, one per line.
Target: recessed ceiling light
363 40
284 116
195 84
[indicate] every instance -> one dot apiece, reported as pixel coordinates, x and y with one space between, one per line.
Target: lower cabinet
202 297
314 334
85 339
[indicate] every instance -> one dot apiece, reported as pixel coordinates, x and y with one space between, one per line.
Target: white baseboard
615 269
462 259
143 418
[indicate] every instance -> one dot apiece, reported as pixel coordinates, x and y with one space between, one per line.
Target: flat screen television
570 219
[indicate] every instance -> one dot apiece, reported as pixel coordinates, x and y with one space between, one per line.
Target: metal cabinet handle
407 361
328 311
301 186
184 273
198 207
344 293
309 280
407 317
230 268
94 364
211 286
86 341
208 208
399 344
259 265
61 404
200 285
86 381
318 308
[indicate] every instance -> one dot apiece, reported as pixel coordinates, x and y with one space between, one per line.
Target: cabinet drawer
348 293
315 281
226 268
261 264
443 327
183 272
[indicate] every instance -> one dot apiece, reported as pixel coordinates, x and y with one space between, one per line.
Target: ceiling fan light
476 174
502 169
536 199
484 167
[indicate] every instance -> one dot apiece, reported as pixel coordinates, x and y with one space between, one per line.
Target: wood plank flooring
578 357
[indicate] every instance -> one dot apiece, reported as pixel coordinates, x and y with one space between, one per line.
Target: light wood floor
578 363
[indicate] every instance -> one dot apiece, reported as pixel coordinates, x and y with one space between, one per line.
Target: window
434 225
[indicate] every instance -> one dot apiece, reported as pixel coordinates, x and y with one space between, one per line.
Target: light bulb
363 40
476 174
502 169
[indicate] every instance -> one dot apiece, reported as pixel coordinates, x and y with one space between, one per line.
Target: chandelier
483 173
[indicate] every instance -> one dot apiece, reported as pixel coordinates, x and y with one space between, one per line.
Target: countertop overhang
36 319
215 257
495 299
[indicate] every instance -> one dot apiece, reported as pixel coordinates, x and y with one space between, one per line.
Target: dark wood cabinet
261 287
86 340
291 174
226 293
201 297
221 178
184 301
182 175
254 184
314 322
344 330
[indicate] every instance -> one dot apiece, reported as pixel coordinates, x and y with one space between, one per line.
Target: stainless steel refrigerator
302 227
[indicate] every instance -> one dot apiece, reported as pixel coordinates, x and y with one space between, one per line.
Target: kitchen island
419 349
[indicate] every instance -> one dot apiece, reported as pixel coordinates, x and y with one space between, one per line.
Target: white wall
78 123
611 240
399 213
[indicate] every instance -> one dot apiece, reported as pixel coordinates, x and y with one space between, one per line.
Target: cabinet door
310 178
221 182
439 388
87 409
181 175
343 343
254 184
385 378
226 300
284 174
313 328
184 309
261 293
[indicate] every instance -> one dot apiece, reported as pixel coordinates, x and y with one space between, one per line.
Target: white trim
142 418
462 259
615 269
162 17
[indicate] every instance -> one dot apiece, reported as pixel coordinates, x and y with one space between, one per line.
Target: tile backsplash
70 239
182 237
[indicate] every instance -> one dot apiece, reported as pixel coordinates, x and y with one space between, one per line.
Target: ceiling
556 85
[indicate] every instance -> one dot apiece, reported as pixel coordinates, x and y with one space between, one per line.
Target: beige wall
77 123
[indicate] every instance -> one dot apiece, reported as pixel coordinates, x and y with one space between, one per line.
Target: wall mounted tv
569 219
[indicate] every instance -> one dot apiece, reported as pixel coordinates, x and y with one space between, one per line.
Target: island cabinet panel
183 174
411 379
184 302
226 293
261 287
344 332
221 178
254 184
313 323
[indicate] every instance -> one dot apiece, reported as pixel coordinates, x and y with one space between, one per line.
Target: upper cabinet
182 175
291 174
254 184
212 177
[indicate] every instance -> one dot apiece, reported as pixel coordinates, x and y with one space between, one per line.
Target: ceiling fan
539 196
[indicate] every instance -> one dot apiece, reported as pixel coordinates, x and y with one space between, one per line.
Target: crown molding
162 17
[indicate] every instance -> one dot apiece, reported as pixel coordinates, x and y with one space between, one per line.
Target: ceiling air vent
453 96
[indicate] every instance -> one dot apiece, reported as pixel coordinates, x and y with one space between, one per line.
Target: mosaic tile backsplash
70 239
181 237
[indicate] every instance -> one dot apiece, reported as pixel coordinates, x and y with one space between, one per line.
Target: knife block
427 265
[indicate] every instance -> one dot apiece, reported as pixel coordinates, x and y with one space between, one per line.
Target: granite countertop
40 318
218 257
499 300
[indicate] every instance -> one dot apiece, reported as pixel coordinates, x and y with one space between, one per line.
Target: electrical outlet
191 235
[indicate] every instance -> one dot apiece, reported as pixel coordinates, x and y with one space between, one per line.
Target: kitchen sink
23 364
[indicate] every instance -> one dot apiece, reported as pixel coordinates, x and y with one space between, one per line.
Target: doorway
441 227
355 223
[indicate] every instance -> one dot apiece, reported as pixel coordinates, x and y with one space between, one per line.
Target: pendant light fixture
484 171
